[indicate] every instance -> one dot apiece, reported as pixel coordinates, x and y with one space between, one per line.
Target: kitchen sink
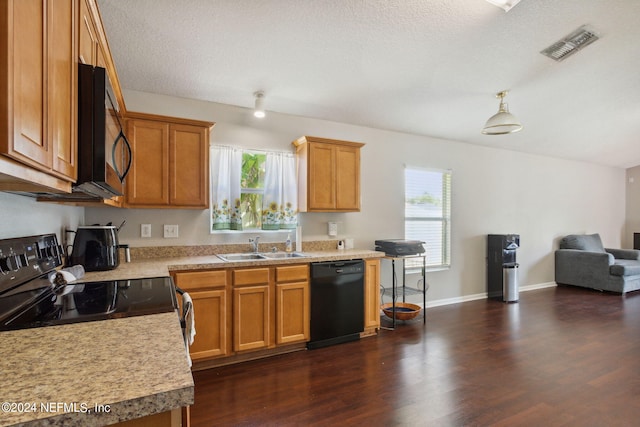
284 255
250 256
241 257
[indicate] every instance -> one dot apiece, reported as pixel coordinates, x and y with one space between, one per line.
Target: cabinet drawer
201 280
250 276
293 272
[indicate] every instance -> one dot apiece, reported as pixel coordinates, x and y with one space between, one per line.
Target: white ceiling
427 67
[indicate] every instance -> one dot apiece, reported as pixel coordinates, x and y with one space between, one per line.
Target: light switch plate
145 230
170 231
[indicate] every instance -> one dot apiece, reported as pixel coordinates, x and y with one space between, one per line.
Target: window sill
418 270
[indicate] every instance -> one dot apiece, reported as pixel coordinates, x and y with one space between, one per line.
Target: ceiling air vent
570 44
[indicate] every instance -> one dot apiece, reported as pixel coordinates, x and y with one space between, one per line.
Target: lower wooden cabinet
371 296
292 304
242 312
172 418
209 291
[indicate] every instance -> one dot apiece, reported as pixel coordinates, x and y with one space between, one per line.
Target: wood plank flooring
560 357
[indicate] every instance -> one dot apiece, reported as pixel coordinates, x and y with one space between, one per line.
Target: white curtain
280 200
226 166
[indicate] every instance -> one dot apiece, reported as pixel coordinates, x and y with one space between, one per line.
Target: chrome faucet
254 244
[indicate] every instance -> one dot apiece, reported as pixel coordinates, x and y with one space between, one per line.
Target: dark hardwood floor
560 357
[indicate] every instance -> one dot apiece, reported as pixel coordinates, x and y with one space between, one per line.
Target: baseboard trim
475 297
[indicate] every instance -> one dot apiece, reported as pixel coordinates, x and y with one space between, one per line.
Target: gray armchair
582 260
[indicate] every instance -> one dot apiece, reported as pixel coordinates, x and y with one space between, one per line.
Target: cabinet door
87 36
321 179
347 171
372 295
251 317
292 304
148 178
24 30
210 314
62 102
189 166
292 312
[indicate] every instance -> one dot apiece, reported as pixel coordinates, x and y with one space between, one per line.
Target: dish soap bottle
288 247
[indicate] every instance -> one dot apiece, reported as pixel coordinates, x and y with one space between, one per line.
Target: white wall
23 216
494 191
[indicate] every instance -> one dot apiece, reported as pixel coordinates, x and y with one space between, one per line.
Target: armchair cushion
587 242
625 267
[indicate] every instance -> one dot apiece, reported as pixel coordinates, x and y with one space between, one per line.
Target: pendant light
505 5
258 111
503 121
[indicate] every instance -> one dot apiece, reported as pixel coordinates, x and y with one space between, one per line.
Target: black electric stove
29 299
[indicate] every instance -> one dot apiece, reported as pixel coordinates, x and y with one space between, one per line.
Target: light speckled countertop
157 267
137 366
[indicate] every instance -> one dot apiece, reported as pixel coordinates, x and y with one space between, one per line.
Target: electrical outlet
145 230
170 231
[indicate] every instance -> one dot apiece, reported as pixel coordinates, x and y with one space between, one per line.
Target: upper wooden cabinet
93 47
38 91
170 166
328 175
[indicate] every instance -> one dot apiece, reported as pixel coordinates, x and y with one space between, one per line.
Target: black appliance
29 299
502 266
104 153
400 247
95 247
337 302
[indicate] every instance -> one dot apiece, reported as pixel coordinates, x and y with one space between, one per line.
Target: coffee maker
502 268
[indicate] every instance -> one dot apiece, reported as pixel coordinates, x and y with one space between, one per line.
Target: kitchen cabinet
371 296
251 308
39 94
209 291
328 175
172 418
93 47
170 167
292 304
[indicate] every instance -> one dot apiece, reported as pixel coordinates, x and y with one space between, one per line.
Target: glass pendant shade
505 5
503 121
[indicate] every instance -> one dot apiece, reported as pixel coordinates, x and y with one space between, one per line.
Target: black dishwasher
337 302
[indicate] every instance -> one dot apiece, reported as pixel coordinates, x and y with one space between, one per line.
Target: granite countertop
162 266
133 367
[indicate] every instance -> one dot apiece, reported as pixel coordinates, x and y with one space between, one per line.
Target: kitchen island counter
94 373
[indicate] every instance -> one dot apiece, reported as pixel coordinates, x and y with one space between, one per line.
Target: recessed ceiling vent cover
570 44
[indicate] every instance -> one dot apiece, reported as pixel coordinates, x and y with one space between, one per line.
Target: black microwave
104 153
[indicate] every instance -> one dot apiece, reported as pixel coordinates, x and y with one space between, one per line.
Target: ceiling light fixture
503 121
259 106
504 4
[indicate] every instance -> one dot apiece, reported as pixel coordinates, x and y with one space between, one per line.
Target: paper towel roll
298 239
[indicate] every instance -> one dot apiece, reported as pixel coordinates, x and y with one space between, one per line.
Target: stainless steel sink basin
250 256
284 255
240 257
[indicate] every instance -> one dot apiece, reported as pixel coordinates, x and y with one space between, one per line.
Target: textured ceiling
427 67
